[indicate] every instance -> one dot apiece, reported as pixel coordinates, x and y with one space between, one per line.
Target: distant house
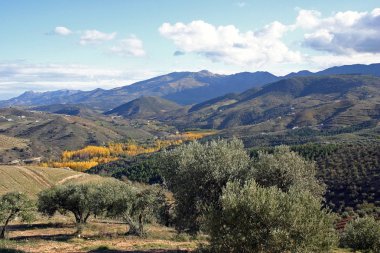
15 162
34 160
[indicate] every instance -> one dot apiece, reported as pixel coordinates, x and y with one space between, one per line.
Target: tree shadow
4 250
24 227
56 237
106 250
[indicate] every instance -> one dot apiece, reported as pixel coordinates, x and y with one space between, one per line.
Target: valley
330 120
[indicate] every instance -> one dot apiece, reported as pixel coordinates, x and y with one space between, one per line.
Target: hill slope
32 180
29 134
328 101
144 107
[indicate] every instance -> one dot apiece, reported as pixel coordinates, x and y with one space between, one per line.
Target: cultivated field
31 180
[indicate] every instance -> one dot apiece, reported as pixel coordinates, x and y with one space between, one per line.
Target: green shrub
253 218
362 234
15 205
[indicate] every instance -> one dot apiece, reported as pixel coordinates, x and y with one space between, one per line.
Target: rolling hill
25 134
145 108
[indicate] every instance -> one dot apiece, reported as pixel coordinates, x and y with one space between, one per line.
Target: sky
86 44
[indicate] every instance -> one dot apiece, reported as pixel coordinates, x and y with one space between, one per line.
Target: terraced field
32 180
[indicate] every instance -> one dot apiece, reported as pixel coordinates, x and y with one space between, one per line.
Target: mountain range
185 88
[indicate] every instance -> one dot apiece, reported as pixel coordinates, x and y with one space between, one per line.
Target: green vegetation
196 174
14 205
350 171
79 199
363 234
143 169
135 207
269 204
253 218
286 169
108 199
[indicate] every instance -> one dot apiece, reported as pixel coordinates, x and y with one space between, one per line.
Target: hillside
32 180
144 107
29 134
322 101
66 109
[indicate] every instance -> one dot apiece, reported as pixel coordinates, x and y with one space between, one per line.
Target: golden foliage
90 156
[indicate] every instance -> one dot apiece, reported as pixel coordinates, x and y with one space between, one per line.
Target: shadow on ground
101 250
3 250
24 227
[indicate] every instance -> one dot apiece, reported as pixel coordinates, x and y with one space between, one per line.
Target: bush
362 234
253 218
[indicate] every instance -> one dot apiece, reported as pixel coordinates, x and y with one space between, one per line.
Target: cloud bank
342 38
18 77
229 45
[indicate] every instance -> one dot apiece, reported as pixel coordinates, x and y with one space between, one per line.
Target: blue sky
85 44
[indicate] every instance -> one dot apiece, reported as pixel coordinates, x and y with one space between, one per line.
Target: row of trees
113 199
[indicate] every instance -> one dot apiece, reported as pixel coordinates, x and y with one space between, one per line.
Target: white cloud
95 37
228 45
61 30
241 4
308 19
344 33
18 77
131 46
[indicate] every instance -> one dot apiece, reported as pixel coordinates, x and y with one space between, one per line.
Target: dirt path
69 178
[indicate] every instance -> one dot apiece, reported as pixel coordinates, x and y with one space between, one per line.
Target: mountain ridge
181 87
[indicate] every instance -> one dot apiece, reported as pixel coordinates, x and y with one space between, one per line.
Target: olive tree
285 169
196 174
82 200
15 205
362 234
253 218
136 206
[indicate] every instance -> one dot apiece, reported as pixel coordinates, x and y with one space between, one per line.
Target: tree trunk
134 229
79 231
141 225
4 229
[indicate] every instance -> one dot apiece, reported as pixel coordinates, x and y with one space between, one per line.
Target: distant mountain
356 69
66 109
218 85
181 87
144 107
320 101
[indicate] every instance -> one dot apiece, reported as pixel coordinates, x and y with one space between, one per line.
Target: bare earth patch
98 236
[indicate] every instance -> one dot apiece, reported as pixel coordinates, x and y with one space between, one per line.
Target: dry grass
98 236
31 180
7 142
